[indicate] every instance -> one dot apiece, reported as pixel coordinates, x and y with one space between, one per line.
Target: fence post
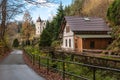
63 70
94 73
39 61
47 65
33 59
63 65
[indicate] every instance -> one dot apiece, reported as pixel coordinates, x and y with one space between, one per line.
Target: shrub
56 44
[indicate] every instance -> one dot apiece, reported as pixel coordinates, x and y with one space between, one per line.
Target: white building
40 26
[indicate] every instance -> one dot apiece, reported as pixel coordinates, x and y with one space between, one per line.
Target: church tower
37 25
40 26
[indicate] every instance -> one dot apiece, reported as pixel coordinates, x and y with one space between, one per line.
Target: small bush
56 44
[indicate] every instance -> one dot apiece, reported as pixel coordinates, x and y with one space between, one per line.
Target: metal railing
37 59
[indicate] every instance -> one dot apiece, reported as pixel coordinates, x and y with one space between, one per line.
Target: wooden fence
37 59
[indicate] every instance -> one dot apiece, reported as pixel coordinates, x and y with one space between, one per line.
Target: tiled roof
86 24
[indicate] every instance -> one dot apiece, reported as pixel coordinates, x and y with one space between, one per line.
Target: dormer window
87 19
67 29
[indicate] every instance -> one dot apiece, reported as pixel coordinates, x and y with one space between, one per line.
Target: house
40 26
79 33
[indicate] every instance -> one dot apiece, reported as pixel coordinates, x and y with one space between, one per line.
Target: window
69 42
92 44
66 42
67 29
44 23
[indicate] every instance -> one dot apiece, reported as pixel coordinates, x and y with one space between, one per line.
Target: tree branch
43 3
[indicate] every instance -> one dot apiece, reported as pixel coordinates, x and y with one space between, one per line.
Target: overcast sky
45 12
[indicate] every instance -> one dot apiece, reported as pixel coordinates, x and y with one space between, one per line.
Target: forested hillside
94 8
113 16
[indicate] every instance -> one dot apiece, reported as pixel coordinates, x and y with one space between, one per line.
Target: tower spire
39 19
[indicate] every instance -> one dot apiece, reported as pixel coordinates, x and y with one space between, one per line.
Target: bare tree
8 9
42 2
27 28
3 19
11 32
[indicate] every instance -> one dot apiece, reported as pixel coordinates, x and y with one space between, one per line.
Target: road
14 68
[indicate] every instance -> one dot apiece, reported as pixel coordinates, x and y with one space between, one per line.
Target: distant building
40 26
79 33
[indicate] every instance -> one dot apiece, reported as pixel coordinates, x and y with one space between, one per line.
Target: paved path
14 68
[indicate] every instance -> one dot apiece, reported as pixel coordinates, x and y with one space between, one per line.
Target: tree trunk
3 21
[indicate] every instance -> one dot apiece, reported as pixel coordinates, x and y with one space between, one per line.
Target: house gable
67 31
68 38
